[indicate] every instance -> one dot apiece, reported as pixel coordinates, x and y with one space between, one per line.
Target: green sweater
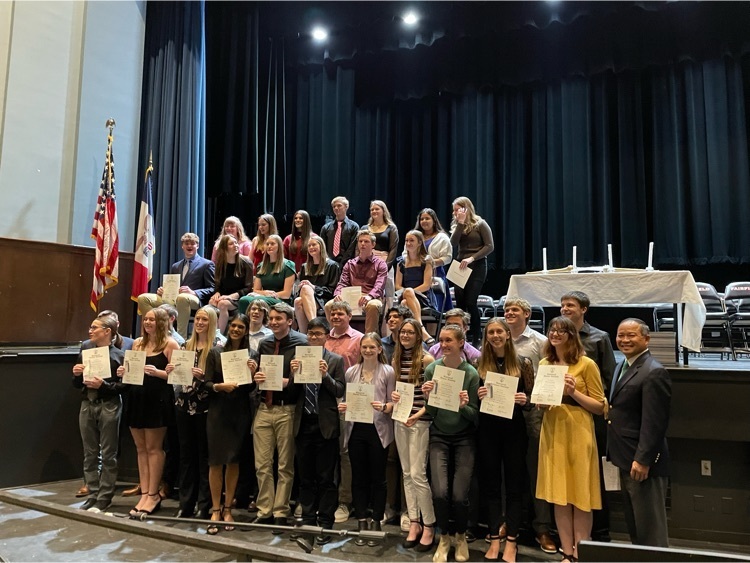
464 421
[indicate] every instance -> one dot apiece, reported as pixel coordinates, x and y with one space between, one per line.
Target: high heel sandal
213 529
156 507
498 556
227 511
510 541
135 511
408 544
569 558
425 547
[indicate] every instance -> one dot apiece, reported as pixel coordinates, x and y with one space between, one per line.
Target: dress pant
317 459
644 505
466 298
539 511
193 474
601 517
99 423
273 431
368 458
451 456
344 477
413 445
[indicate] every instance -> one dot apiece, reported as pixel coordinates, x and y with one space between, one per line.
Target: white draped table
621 288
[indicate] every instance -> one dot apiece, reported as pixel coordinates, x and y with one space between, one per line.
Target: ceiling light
319 34
410 18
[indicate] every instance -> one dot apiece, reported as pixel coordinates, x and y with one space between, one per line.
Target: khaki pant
273 430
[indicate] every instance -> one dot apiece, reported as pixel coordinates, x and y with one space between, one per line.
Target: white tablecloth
619 289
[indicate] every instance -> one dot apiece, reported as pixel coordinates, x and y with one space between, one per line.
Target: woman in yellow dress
568 464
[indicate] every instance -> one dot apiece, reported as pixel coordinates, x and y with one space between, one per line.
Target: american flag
104 232
145 244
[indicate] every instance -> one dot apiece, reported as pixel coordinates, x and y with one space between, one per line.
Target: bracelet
382 409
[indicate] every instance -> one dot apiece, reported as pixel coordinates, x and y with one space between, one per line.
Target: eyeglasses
407 332
559 331
316 335
94 327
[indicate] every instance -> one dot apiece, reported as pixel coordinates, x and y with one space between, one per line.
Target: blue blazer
200 277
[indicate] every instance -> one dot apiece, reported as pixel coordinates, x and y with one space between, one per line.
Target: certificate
611 475
549 385
501 395
309 358
352 295
134 364
458 276
273 366
234 367
96 363
170 284
402 409
183 362
448 385
359 397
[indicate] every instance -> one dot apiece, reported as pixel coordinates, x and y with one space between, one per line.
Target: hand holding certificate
402 409
548 385
171 286
234 367
134 364
448 383
352 295
273 368
96 363
501 395
309 364
359 397
183 362
458 276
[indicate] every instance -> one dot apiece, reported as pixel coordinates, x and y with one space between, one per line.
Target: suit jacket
200 277
598 347
639 415
348 244
331 389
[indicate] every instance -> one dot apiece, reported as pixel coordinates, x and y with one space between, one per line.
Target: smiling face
279 324
317 336
99 334
256 314
263 227
230 228
237 330
516 317
407 335
376 214
200 322
313 249
298 221
427 224
149 323
272 249
394 321
370 348
340 320
450 344
233 248
572 309
497 336
558 335
189 248
411 243
630 340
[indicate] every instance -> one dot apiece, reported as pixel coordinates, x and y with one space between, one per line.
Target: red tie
337 239
269 394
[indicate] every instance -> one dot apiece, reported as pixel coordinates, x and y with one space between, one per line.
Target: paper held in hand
549 385
352 295
501 395
309 358
234 367
96 363
448 385
458 276
359 397
170 284
402 409
272 365
134 364
183 362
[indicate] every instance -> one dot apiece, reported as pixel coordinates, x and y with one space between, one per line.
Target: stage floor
43 523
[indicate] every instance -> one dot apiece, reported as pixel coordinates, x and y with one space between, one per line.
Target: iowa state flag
104 232
145 244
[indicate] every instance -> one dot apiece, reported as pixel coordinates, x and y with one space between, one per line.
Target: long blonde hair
161 335
266 267
260 240
192 343
241 236
487 361
386 214
472 219
310 268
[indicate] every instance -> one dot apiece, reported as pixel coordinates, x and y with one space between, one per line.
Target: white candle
544 258
651 256
609 253
574 257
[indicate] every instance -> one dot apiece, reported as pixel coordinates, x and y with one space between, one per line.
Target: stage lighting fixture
410 18
319 34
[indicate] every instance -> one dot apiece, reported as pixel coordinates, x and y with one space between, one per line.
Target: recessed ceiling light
410 18
319 34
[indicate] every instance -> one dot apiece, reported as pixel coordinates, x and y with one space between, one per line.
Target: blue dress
413 276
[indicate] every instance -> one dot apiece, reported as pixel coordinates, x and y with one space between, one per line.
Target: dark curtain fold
173 116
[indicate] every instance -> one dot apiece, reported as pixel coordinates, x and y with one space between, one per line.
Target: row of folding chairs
727 327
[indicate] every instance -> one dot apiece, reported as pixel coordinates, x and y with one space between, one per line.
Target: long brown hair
310 268
487 361
417 353
573 349
161 335
221 261
266 266
304 233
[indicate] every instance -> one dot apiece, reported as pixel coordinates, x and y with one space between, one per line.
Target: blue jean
99 422
451 458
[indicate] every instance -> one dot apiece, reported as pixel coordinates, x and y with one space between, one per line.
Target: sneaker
405 522
341 514
388 515
101 505
94 509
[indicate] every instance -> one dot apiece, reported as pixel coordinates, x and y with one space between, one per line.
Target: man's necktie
625 366
337 240
186 268
311 398
269 394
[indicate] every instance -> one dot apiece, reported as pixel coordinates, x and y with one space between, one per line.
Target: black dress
228 415
151 405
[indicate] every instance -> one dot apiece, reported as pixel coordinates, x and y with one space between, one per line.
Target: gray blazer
385 384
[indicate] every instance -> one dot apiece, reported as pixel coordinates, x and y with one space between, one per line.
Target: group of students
304 427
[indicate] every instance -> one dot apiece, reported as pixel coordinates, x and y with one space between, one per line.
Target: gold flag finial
110 124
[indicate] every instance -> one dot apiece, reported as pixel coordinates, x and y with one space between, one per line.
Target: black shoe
88 503
375 527
470 536
601 536
102 505
361 526
203 514
268 520
279 521
322 539
181 513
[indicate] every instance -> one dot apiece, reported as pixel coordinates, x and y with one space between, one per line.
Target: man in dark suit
636 434
316 427
196 287
342 250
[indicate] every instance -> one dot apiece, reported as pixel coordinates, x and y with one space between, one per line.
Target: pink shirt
345 345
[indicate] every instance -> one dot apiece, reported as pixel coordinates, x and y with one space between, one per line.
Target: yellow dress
568 458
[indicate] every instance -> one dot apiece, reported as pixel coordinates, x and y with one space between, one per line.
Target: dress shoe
252 507
268 520
279 521
183 513
135 491
362 527
546 543
83 492
409 544
322 539
601 535
101 505
88 503
375 527
203 514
